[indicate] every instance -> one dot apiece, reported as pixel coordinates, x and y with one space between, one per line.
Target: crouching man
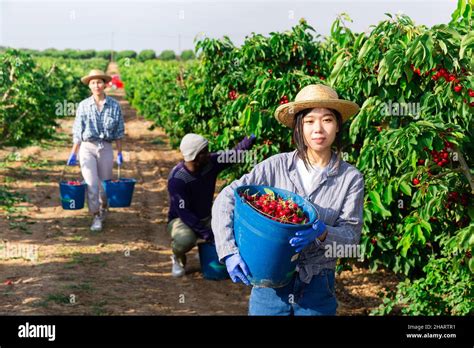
191 186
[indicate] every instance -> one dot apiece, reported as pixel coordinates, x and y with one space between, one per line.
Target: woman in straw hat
98 123
317 173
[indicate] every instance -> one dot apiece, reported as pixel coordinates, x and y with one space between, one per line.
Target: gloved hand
119 159
237 269
305 237
72 160
248 142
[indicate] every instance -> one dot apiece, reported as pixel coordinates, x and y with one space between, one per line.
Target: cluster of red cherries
276 208
284 100
232 95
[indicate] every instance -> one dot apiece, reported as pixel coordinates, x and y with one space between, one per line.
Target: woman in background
98 123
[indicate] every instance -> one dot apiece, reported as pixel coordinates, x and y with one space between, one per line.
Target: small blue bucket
72 196
264 243
211 268
119 192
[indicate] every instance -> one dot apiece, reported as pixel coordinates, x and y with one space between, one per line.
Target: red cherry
451 78
416 181
421 162
373 241
453 196
457 88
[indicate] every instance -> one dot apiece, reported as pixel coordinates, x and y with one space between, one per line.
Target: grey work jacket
338 197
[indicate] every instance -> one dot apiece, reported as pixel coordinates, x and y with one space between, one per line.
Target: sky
161 25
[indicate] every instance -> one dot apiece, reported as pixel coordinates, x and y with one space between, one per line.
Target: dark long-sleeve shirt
191 194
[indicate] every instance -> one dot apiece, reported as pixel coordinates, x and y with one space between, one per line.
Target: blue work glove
248 142
72 160
305 237
119 159
237 269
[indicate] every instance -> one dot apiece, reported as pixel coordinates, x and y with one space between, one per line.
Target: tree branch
465 169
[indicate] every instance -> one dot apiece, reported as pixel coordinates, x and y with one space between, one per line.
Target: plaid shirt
92 125
338 196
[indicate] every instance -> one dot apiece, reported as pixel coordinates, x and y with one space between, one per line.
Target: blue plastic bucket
119 192
72 196
264 243
210 266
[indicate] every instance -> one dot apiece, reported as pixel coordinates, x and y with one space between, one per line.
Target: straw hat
96 74
315 96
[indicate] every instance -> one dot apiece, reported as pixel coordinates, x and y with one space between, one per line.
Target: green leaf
268 191
363 50
387 194
377 204
443 47
406 244
470 212
337 68
426 225
419 234
466 43
414 159
405 188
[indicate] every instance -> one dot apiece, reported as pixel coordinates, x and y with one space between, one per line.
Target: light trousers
97 160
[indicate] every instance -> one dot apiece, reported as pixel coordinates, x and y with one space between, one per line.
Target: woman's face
319 129
97 86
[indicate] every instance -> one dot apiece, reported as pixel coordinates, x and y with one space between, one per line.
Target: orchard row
230 91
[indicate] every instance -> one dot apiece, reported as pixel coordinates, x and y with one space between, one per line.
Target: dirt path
125 269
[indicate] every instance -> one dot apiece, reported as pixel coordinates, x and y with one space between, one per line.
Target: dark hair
298 135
